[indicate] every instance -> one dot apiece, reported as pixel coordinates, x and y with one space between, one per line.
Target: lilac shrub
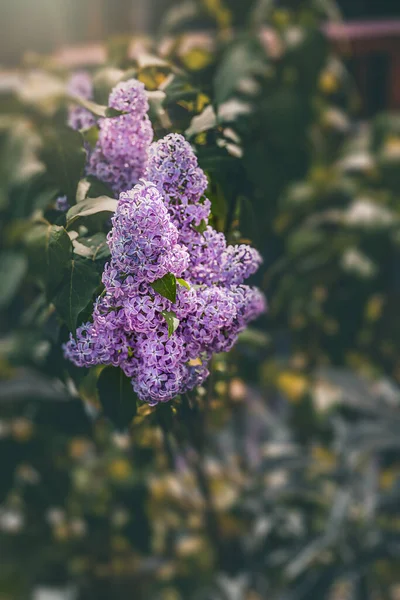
155 233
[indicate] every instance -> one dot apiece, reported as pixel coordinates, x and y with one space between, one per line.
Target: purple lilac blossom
143 241
62 203
152 235
174 169
80 85
120 155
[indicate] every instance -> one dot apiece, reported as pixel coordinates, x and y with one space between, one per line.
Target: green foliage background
281 480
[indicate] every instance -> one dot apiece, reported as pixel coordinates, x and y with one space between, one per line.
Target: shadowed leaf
166 286
117 397
76 291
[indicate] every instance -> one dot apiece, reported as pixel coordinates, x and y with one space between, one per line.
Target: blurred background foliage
286 485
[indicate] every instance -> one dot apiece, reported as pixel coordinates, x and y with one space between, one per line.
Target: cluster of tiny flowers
120 155
80 86
173 168
155 232
62 203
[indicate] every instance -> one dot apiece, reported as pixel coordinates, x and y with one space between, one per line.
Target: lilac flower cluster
173 168
143 241
80 86
154 233
120 155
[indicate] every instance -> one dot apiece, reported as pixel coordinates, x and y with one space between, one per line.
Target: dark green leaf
98 188
91 135
64 156
219 204
29 384
117 397
97 109
157 111
58 256
202 227
112 112
104 81
76 291
91 206
172 321
166 286
12 270
242 60
49 254
91 187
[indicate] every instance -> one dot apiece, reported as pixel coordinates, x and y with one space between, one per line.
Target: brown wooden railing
362 41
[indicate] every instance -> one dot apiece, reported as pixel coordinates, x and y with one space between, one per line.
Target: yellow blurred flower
328 82
120 469
78 447
281 18
196 59
293 385
152 78
220 13
201 139
189 545
388 478
323 456
22 429
61 532
373 310
393 143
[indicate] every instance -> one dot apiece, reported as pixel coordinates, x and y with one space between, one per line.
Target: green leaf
183 283
172 321
219 204
91 187
157 111
113 112
76 290
12 270
64 156
43 198
103 82
117 397
202 227
146 60
49 254
166 286
97 244
91 135
202 122
242 60
58 256
91 206
97 109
